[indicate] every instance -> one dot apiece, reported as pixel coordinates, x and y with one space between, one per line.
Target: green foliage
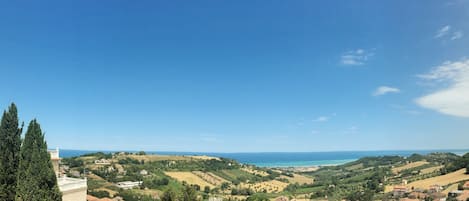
241 191
73 162
169 195
360 196
258 197
99 194
128 195
128 161
189 194
154 183
224 186
99 155
451 199
36 176
207 189
10 142
454 163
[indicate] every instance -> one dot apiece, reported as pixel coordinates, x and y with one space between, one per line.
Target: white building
129 184
143 172
73 189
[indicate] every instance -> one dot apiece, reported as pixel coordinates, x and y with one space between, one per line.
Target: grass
355 167
190 178
297 178
210 178
396 170
452 187
309 189
266 186
431 169
254 171
233 174
442 180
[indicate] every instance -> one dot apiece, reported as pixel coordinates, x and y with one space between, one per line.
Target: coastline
297 161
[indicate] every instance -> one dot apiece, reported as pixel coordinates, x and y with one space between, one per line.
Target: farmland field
190 178
408 166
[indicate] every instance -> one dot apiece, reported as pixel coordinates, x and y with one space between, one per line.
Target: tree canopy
10 142
36 178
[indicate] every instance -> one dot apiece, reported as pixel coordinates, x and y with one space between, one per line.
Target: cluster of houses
434 192
75 189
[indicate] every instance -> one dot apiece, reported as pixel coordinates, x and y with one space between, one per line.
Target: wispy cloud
442 31
445 33
356 57
324 118
457 35
453 97
321 119
382 90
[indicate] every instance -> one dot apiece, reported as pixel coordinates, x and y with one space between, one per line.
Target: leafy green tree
207 189
189 194
224 186
169 195
361 196
36 176
10 142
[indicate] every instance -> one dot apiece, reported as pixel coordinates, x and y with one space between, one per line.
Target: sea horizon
283 159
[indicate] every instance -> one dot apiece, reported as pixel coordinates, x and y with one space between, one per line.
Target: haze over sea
287 159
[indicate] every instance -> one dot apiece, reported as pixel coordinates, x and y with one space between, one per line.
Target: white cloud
457 35
355 57
443 31
321 119
453 98
382 90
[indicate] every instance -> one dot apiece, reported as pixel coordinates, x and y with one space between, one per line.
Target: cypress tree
10 142
36 177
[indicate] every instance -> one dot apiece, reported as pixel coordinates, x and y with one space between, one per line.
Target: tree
169 195
361 196
36 176
224 186
10 142
207 189
189 194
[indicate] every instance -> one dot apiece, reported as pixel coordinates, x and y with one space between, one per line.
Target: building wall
55 164
74 195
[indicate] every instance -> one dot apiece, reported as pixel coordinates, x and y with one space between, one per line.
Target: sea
286 159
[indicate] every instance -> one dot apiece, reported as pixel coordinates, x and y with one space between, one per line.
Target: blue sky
239 76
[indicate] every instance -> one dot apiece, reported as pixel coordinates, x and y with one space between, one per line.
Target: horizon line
263 152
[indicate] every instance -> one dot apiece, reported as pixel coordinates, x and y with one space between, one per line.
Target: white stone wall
74 195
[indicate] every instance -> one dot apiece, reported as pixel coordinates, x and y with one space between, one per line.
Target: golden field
396 170
441 180
300 179
190 178
210 177
268 186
